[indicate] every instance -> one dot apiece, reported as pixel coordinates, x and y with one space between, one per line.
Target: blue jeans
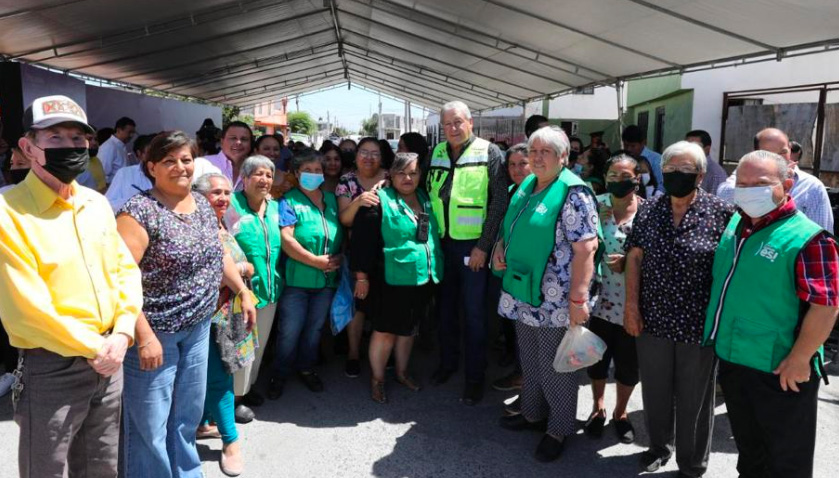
463 289
220 402
302 315
159 432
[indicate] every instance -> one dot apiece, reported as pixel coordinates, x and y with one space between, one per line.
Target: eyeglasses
681 169
369 154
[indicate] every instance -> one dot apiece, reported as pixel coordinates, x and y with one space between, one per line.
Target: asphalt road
342 433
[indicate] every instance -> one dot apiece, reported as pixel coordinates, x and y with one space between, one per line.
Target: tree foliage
301 122
370 126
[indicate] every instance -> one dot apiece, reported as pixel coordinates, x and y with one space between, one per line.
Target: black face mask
92 151
18 175
66 163
679 184
621 189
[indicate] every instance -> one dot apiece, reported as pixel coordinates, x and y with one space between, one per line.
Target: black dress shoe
518 422
549 448
244 414
624 430
311 381
473 393
275 389
253 399
513 408
441 376
650 462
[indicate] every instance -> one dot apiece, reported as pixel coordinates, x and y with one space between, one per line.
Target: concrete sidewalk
342 433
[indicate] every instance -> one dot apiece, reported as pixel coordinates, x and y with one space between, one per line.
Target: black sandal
594 426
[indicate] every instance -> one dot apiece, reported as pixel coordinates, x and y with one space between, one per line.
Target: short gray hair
204 184
761 155
304 157
402 161
555 137
686 148
455 106
255 162
516 148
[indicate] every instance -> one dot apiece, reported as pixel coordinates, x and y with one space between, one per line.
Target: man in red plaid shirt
774 301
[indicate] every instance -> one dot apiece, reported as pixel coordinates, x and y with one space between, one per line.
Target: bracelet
363 281
581 301
144 345
579 305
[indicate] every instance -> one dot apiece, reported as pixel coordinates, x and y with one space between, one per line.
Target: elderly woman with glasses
396 248
546 257
669 260
231 345
355 190
253 219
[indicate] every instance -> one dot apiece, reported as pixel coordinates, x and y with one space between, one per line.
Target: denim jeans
463 289
159 432
302 315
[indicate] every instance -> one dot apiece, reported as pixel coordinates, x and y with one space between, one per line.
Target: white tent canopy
489 53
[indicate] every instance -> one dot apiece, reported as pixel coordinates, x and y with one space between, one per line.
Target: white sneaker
6 382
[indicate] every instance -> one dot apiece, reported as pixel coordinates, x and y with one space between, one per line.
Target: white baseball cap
51 110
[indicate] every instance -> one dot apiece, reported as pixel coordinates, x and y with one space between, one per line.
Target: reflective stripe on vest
319 233
407 261
470 190
754 308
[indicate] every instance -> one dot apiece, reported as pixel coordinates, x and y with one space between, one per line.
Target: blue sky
349 106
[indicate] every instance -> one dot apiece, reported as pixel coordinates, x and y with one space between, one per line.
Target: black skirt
397 309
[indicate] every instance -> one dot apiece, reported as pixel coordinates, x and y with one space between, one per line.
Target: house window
585 90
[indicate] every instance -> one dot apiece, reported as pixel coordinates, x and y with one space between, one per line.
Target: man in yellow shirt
70 294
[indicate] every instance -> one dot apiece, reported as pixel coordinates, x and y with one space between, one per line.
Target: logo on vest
541 209
766 251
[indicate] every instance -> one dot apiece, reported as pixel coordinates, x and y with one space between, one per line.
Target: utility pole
380 126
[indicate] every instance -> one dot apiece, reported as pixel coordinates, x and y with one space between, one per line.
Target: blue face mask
310 181
577 169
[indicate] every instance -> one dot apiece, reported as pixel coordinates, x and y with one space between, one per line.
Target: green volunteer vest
407 261
529 233
470 189
319 233
260 241
754 310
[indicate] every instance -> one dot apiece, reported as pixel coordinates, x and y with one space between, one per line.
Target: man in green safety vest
774 301
467 186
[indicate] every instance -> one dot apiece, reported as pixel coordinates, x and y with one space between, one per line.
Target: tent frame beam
430 79
706 26
264 88
39 8
233 33
290 91
421 69
257 63
476 99
254 70
333 11
487 58
565 26
283 76
374 87
494 44
284 84
159 27
435 60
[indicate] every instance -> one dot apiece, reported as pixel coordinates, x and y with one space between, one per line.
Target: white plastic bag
579 348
